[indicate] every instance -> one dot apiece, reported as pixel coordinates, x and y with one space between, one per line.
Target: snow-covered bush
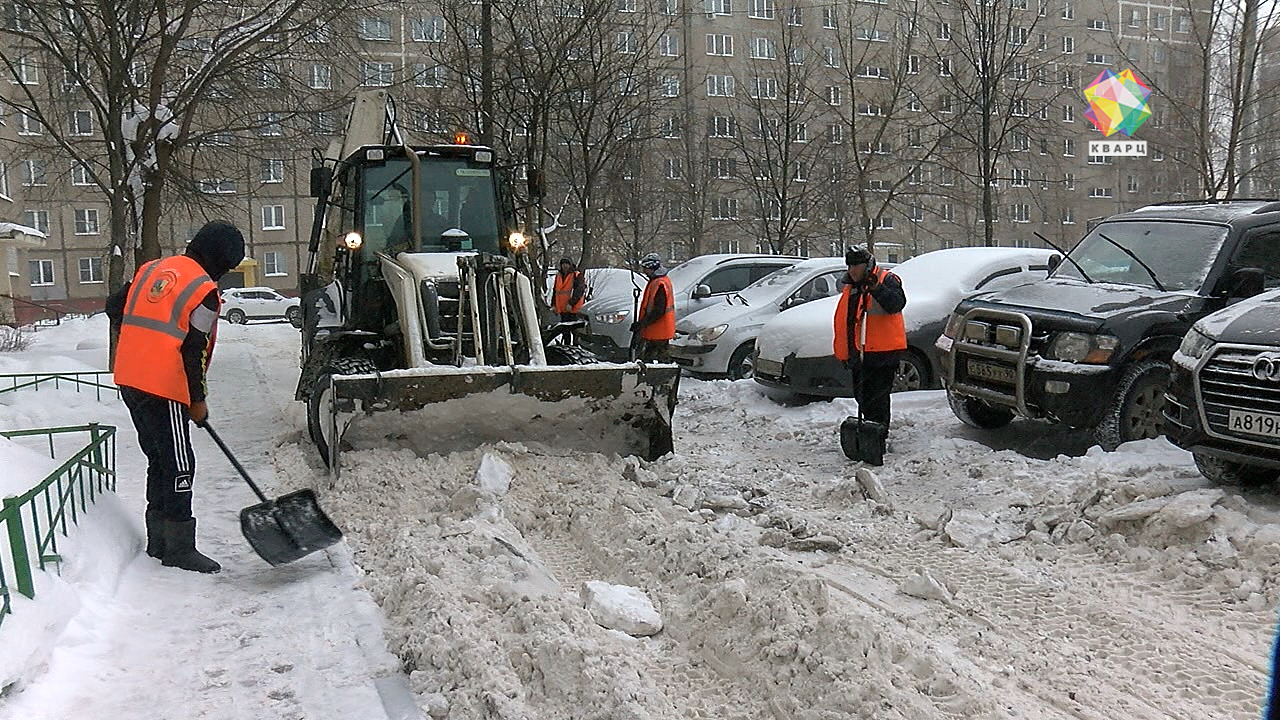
12 339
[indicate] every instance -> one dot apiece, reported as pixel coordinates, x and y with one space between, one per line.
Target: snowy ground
1023 575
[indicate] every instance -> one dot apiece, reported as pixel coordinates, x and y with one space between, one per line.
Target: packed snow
755 573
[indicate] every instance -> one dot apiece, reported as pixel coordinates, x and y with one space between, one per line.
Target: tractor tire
1137 411
913 373
237 317
1226 472
978 414
741 363
318 399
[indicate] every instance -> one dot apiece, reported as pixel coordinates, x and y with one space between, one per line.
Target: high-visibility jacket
157 316
564 293
665 327
885 331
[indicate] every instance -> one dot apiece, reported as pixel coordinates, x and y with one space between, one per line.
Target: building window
720 86
724 209
720 7
373 28
1099 24
720 45
947 212
86 221
675 168
833 95
1068 216
722 126
1068 45
430 29
272 217
669 45
763 49
1069 147
760 9
323 123
1133 184
90 270
271 171
1069 181
1100 160
321 77
1068 10
670 85
1020 212
913 64
1183 24
37 219
835 134
80 122
269 125
1135 17
40 272
376 74
34 173
80 174
671 127
1098 59
764 88
830 18
795 16
944 31
1021 178
625 42
1100 192
675 210
273 264
27 125
1159 20
831 57
872 35
25 72
428 76
723 168
268 76
1068 113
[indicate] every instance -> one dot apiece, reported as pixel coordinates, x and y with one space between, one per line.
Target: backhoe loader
421 325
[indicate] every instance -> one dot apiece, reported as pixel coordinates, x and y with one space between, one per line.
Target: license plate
1254 423
992 372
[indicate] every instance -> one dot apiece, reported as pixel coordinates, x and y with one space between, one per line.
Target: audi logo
1267 367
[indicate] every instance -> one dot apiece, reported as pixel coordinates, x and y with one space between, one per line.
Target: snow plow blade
624 409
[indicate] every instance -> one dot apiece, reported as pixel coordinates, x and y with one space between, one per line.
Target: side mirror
1054 262
702 291
321 177
1246 282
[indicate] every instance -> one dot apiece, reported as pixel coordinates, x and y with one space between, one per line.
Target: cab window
1261 250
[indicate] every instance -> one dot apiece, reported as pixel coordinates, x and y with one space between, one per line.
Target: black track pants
873 391
164 433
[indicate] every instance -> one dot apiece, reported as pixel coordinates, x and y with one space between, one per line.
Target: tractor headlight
612 318
1195 344
711 334
517 241
352 241
1085 348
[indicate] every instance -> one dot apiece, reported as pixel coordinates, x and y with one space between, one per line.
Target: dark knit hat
857 255
218 247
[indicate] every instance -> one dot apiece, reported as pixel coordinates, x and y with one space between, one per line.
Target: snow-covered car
606 282
698 283
720 339
240 305
793 350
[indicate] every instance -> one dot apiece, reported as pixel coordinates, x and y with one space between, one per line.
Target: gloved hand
871 282
635 327
199 413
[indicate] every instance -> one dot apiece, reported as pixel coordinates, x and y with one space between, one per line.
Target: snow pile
619 607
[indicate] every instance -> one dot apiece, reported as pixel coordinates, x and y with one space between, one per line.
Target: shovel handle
240 468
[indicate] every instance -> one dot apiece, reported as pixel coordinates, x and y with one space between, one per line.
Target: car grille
1226 382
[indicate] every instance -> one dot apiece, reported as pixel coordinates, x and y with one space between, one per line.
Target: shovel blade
289 527
863 440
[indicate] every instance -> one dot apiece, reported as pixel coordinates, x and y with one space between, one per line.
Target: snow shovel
863 440
287 528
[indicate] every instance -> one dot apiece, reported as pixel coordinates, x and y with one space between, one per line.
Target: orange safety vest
665 327
157 316
885 331
564 292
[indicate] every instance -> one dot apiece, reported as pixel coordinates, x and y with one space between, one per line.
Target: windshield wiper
1136 259
744 300
1066 255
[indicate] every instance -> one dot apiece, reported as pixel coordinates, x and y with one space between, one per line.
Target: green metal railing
31 523
12 382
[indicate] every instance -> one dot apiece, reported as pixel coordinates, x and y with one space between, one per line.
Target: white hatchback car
240 305
719 339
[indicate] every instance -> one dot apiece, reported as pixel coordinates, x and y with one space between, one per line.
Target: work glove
199 412
635 327
871 282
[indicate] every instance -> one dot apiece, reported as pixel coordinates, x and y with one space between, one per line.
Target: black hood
1092 304
218 247
1255 321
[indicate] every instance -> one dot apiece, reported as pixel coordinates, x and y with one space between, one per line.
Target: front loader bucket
624 409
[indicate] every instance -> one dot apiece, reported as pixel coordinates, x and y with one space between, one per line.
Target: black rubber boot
180 548
155 534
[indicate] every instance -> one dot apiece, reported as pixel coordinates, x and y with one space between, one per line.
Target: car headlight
1080 347
1195 344
612 318
710 334
952 330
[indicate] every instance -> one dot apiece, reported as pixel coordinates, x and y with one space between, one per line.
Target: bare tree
146 72
994 77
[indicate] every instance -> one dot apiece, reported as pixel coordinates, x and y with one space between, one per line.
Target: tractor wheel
319 400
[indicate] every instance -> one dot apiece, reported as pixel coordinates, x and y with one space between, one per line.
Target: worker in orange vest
869 332
656 324
568 295
168 319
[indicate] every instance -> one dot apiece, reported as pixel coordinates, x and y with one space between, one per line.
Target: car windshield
776 281
686 273
1178 253
456 193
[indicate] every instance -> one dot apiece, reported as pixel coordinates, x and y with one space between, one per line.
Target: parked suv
1091 345
1224 398
240 305
698 283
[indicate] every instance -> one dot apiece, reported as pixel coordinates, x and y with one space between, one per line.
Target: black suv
1224 400
1090 346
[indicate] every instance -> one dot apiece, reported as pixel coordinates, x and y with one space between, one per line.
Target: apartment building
744 125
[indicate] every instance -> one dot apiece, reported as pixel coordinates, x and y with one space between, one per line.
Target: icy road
1018 576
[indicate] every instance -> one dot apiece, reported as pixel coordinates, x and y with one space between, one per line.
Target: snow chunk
494 475
1190 508
926 587
621 607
